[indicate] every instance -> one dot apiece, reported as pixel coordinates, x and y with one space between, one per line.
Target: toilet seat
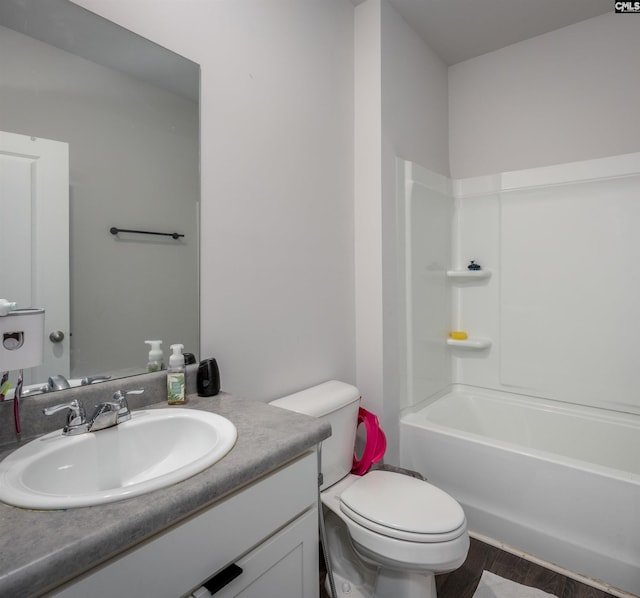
401 507
382 549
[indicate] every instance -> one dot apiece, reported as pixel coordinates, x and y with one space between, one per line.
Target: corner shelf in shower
468 274
470 343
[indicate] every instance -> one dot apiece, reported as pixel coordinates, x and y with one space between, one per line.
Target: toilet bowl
420 528
388 533
406 529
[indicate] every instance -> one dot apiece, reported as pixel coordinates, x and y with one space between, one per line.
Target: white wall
414 127
115 181
401 109
277 257
368 207
282 304
564 96
415 102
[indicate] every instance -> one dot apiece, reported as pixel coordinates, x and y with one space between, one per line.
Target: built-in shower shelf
476 343
468 274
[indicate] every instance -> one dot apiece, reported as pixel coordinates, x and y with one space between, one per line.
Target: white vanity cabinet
267 529
277 567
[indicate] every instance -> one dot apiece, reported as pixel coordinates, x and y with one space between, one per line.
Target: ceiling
69 27
455 29
461 29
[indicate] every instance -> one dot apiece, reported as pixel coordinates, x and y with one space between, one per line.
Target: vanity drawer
285 564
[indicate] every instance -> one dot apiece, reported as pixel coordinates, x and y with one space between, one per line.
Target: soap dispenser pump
176 377
6 306
155 363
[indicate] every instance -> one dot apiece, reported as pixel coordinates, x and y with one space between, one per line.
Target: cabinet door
285 565
169 564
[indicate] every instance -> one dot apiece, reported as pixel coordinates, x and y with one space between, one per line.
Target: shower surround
550 319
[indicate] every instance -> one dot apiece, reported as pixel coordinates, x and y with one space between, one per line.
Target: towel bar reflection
115 230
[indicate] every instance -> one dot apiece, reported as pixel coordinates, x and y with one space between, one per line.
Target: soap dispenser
176 377
155 363
6 306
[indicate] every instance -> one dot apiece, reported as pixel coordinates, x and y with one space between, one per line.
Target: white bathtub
559 481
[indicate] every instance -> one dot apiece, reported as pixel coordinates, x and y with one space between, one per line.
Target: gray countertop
40 550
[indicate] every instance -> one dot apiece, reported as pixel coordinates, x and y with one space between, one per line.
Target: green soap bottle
176 377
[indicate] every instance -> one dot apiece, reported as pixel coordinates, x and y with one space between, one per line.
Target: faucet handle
76 417
91 379
34 390
122 394
120 399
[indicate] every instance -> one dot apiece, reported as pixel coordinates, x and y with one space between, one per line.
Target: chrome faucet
35 390
58 382
76 418
106 414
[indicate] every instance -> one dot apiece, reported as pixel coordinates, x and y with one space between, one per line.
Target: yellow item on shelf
458 335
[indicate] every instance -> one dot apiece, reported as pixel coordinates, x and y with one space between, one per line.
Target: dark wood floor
462 583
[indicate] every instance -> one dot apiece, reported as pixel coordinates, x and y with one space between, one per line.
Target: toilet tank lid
321 399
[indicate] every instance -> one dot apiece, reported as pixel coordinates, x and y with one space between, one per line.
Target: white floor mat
494 586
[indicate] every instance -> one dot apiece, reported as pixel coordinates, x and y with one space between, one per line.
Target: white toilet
388 533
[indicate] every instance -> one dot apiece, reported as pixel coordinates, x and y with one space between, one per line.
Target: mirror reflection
122 117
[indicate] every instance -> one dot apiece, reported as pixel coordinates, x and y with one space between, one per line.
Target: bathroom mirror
127 111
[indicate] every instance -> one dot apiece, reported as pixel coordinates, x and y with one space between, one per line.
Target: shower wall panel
428 232
560 306
570 291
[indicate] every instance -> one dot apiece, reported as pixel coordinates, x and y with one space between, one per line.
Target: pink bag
374 447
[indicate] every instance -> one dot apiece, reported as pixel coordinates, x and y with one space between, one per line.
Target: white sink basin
154 449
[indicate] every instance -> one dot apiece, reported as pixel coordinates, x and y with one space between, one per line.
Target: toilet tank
337 403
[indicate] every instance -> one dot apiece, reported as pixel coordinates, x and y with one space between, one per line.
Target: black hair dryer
208 382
